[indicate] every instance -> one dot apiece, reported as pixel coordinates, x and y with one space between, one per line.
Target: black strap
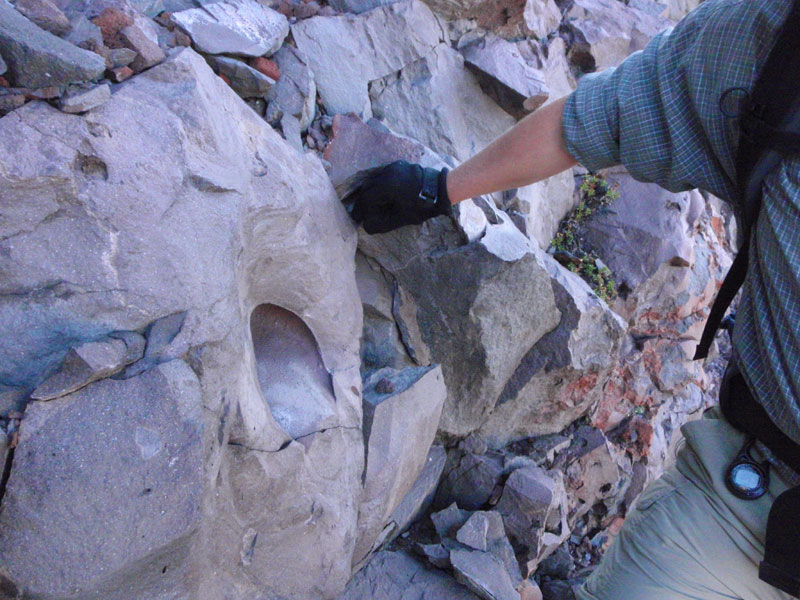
765 138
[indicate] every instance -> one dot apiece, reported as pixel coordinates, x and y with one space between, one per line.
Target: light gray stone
606 32
541 17
359 49
84 33
505 76
245 80
398 576
448 521
241 27
418 499
81 100
45 14
295 92
113 458
401 415
419 103
680 8
37 59
214 217
148 52
83 365
483 574
437 555
290 127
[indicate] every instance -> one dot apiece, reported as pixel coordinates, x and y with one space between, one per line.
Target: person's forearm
532 150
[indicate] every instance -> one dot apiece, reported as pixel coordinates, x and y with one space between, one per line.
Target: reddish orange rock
181 39
120 75
224 78
110 22
266 66
4 82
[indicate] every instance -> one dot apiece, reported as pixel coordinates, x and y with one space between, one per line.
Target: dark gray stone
121 57
81 100
471 480
84 33
245 80
399 576
437 555
420 497
295 93
448 521
38 59
484 574
114 474
3 66
474 532
45 14
358 6
503 74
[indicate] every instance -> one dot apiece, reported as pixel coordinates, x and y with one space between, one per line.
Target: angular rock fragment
121 74
110 22
358 6
3 66
84 34
448 521
295 93
240 27
121 57
359 49
474 532
9 102
505 76
135 465
541 17
401 414
483 574
46 15
606 33
244 79
437 555
398 576
81 100
86 363
149 53
37 58
470 480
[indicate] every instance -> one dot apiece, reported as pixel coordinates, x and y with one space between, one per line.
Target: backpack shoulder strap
766 136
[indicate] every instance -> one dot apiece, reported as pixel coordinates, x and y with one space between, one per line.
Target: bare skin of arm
532 150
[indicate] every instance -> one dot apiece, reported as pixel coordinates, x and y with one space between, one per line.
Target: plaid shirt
659 114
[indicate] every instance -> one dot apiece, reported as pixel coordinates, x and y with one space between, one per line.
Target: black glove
398 194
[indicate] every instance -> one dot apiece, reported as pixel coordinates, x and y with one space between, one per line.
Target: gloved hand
397 194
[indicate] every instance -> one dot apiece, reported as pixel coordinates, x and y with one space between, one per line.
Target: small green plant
567 247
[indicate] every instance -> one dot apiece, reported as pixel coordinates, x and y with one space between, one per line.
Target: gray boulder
399 576
470 480
37 59
401 415
483 574
607 32
241 27
45 14
505 76
541 17
245 80
148 52
418 499
359 49
114 475
418 102
215 218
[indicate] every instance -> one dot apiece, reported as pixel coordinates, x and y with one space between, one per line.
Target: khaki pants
689 537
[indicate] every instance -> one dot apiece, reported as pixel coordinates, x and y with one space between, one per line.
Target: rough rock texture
541 17
148 52
359 49
418 499
470 479
92 468
398 576
244 79
605 32
81 100
45 14
505 76
295 92
483 574
241 27
401 413
37 58
209 226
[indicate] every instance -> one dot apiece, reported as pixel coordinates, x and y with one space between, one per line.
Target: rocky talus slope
214 387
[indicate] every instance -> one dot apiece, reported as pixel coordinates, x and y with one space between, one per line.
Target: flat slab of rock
359 49
240 27
148 52
244 79
474 532
80 101
87 363
484 574
419 498
295 93
37 58
46 15
114 474
504 75
541 17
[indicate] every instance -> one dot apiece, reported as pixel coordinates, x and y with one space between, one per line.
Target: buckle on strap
430 186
